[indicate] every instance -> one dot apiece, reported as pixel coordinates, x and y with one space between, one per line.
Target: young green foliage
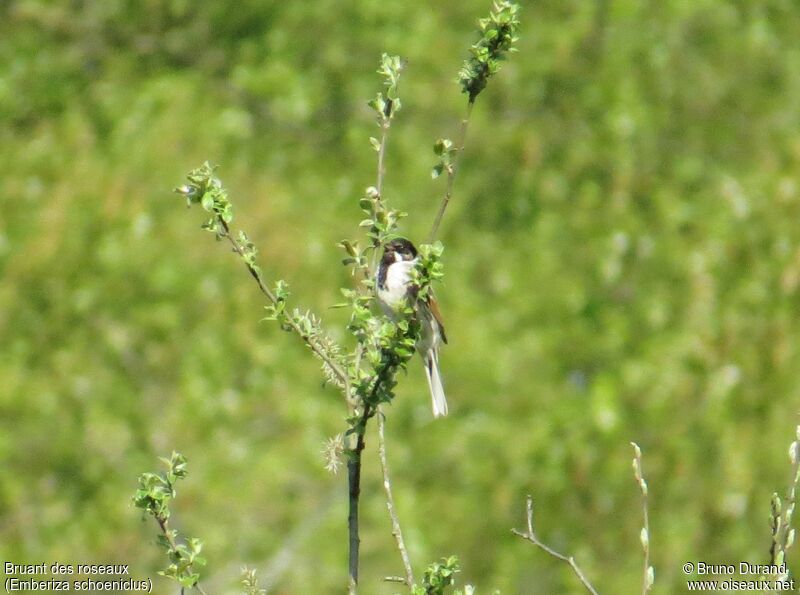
497 38
206 190
438 576
387 105
446 152
381 221
153 496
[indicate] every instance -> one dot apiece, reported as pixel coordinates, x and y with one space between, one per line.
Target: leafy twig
530 535
386 108
450 165
497 36
153 496
207 190
387 486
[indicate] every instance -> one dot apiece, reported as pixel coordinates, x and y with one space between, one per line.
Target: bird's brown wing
433 306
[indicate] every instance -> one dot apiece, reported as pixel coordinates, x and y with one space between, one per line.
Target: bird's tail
435 383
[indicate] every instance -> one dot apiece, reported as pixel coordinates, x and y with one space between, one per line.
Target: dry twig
530 535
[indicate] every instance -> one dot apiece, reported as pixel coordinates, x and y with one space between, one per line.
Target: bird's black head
401 247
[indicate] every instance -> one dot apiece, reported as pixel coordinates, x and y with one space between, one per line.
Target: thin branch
648 573
530 535
256 274
451 173
792 493
385 125
387 486
783 535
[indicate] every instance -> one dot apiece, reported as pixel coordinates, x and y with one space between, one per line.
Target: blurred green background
622 257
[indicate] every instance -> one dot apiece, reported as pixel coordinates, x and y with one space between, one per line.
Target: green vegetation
622 264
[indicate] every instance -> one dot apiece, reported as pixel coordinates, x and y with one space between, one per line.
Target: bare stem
256 274
385 125
387 487
451 173
382 155
530 535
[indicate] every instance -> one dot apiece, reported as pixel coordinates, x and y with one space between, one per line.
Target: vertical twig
648 575
783 535
451 172
530 535
385 125
387 486
385 115
382 155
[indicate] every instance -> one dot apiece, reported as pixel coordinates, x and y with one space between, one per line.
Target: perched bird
394 290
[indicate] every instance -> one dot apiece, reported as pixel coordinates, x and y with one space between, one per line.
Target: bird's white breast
398 276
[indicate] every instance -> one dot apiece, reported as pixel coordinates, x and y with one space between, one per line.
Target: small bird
394 290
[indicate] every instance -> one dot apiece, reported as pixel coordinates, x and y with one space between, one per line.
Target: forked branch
530 535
